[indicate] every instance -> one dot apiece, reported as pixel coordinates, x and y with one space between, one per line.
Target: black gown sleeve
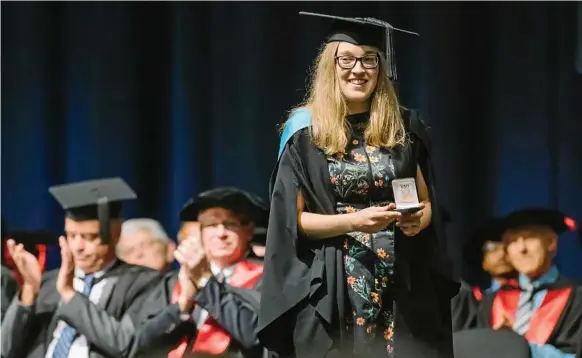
159 321
9 289
464 309
279 293
434 234
231 311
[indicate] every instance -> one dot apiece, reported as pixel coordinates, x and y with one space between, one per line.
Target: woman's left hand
409 223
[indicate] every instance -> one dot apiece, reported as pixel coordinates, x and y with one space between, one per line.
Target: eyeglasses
228 225
493 246
349 62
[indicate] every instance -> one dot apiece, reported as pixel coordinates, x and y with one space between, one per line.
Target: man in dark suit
87 307
210 305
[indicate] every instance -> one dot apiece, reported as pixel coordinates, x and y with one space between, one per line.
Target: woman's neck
359 107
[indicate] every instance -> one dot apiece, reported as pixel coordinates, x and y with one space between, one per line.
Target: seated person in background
87 307
204 307
145 242
35 242
487 247
9 289
547 307
484 252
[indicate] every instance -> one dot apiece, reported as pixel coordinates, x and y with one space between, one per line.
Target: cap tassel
390 55
103 214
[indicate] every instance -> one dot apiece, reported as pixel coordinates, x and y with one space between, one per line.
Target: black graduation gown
235 309
464 308
303 297
566 328
108 326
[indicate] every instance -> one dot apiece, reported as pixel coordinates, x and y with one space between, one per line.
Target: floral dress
361 178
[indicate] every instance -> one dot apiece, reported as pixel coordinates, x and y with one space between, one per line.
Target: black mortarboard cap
554 219
237 200
364 32
99 199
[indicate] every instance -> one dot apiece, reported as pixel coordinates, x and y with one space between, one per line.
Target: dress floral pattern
361 177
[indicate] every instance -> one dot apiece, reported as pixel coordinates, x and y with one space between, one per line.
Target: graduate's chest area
362 174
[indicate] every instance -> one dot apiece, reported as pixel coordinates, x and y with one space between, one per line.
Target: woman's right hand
375 218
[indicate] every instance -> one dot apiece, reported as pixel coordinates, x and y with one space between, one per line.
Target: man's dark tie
69 333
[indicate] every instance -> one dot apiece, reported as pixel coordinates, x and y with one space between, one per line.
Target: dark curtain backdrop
181 97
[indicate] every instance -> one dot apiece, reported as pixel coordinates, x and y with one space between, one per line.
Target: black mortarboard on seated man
237 200
99 199
364 32
554 219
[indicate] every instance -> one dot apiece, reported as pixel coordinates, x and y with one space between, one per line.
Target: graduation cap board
99 199
231 198
364 32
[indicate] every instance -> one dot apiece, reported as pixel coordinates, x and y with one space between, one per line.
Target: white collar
227 271
80 274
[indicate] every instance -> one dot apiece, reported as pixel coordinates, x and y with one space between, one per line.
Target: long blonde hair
330 130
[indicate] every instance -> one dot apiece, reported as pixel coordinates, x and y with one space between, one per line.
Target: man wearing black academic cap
485 251
87 307
547 307
210 305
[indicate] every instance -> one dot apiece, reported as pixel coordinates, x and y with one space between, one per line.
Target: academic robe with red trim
556 322
230 326
465 306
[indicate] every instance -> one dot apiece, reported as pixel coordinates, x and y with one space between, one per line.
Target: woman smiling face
357 73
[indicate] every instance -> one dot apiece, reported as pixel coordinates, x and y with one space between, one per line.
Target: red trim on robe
477 293
504 307
544 319
212 338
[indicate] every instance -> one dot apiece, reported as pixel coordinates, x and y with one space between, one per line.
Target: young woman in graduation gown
345 273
